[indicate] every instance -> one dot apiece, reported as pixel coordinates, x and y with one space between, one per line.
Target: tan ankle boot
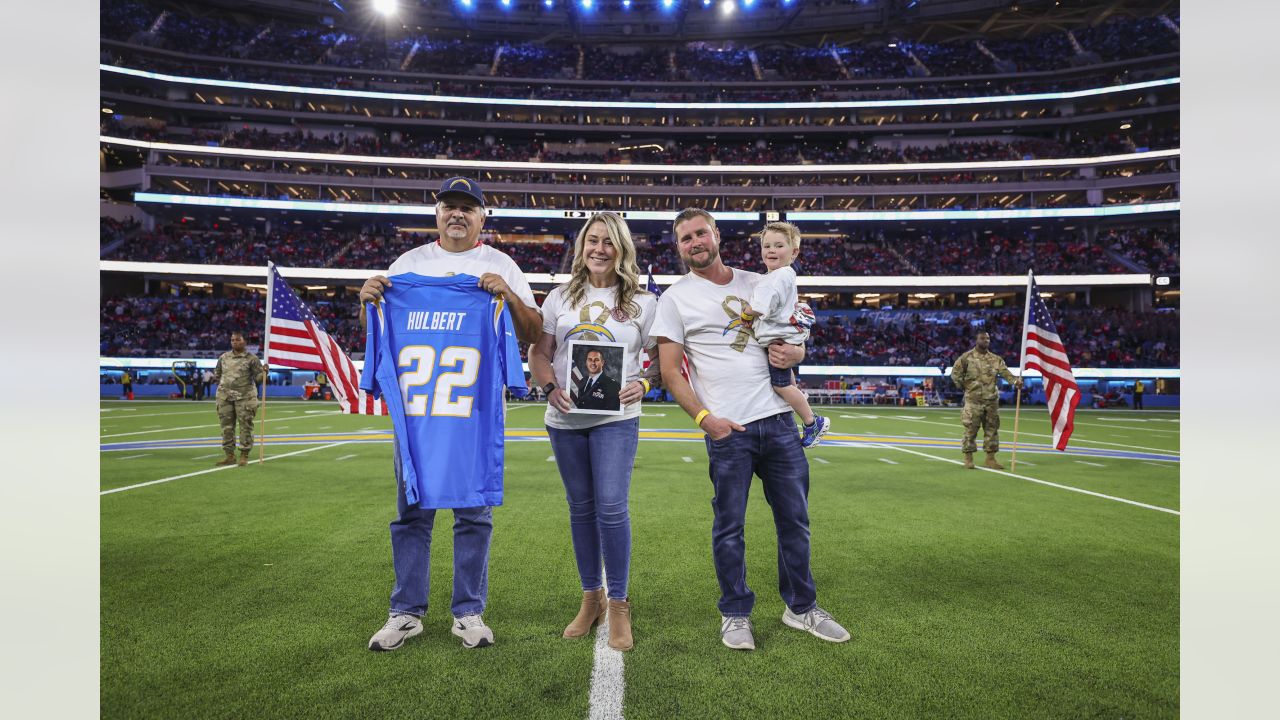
991 462
244 457
620 624
228 460
968 460
592 610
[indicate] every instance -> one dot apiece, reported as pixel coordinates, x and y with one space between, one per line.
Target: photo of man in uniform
598 387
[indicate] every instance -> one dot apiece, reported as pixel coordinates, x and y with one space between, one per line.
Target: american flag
1042 350
296 339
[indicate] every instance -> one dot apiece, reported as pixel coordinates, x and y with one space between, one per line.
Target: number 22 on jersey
417 365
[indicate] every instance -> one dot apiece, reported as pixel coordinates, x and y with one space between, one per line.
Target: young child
776 313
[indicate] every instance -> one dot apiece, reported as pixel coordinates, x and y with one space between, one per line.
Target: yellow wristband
645 383
698 420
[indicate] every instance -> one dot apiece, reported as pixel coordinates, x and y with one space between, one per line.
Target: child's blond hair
791 231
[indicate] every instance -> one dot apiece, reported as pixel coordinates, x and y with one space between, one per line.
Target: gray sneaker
735 632
399 627
817 622
473 631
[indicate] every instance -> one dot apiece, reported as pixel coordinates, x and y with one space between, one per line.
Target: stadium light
626 4
506 3
727 7
588 4
748 3
666 4
385 7
706 3
549 3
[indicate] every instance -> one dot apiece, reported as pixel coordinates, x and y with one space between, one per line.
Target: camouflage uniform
237 397
976 373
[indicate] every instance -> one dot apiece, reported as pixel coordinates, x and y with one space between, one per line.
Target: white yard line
1042 482
206 457
551 458
188 412
215 469
1073 439
347 457
887 460
1155 464
1127 427
198 427
686 459
1086 462
608 685
824 462
130 457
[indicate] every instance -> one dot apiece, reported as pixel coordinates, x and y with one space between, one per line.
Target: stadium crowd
1094 337
144 24
1078 143
856 253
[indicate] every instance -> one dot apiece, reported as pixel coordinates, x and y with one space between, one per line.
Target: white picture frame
602 398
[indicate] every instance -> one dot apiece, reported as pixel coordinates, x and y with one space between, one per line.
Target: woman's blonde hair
624 263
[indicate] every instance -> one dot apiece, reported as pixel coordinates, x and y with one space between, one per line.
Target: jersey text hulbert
434 320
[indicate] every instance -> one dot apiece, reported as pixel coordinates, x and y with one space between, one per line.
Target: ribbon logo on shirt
591 328
745 333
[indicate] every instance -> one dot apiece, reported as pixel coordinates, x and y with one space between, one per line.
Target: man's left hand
784 355
494 284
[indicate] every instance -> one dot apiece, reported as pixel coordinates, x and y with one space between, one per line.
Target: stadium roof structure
652 21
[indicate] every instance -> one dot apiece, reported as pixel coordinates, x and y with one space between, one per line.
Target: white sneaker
735 632
473 631
817 622
398 628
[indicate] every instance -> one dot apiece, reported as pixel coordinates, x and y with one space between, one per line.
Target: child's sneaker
813 433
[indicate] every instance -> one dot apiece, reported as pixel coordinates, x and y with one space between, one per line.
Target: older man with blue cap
460 217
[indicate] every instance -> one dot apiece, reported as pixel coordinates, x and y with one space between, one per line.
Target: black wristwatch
546 389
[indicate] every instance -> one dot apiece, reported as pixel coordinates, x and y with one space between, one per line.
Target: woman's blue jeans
595 466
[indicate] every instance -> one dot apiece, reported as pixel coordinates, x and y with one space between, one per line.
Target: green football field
1045 591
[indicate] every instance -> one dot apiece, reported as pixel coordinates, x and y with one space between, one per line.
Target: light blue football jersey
439 350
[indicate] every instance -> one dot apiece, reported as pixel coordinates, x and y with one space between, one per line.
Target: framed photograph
596 373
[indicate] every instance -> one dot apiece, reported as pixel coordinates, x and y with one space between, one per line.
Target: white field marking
198 427
1127 427
148 427
887 460
1042 482
908 432
686 459
206 457
551 458
1073 439
1086 462
860 417
347 457
1156 464
608 685
283 427
216 469
1028 464
326 427
645 414
824 462
189 412
130 457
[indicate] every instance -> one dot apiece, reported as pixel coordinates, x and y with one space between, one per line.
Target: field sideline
1049 591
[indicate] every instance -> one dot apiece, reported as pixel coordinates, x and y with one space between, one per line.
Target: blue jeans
770 448
595 466
411 555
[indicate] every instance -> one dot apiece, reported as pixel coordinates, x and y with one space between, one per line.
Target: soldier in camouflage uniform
975 372
236 374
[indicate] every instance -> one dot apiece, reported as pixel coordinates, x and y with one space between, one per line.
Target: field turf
1049 591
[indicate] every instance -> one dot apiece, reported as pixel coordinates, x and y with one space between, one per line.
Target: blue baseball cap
461 186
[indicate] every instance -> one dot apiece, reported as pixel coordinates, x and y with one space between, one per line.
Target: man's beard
703 260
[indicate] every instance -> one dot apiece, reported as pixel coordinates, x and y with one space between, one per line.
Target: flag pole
266 353
1022 364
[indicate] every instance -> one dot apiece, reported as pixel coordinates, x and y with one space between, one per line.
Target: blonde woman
603 301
